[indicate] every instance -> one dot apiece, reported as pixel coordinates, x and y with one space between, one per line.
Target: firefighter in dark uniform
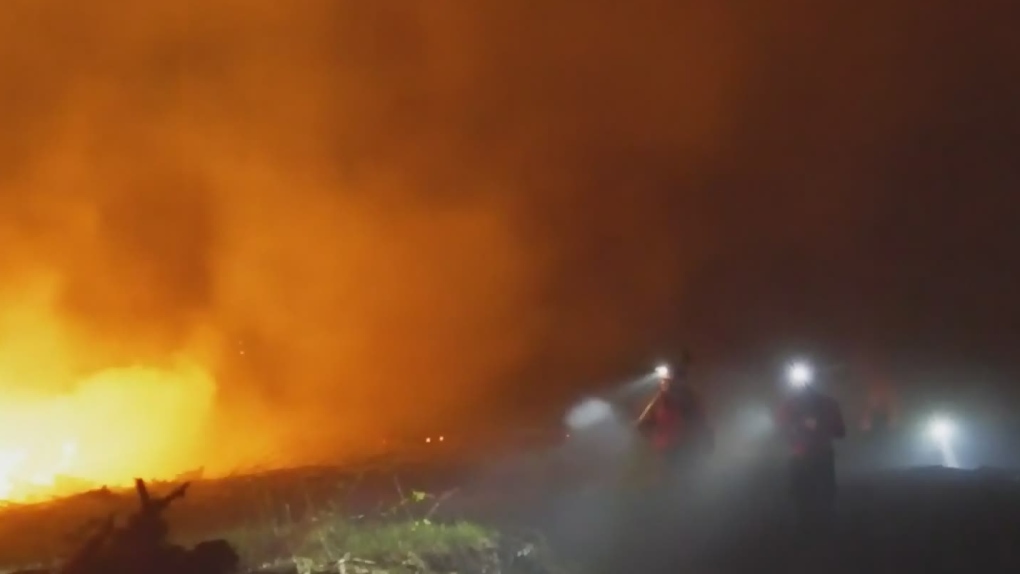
810 421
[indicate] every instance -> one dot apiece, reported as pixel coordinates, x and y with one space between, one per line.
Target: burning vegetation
66 426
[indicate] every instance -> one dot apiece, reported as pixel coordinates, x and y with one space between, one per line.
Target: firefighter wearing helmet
674 421
811 421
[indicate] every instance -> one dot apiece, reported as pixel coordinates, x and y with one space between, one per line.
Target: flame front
118 424
64 429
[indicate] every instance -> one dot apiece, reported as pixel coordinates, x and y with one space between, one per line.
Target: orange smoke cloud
282 230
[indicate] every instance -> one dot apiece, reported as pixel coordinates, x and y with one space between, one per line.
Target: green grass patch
286 526
331 539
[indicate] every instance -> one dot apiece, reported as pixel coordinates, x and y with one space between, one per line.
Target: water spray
589 413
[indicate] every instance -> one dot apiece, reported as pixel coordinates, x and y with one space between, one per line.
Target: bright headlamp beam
662 371
800 374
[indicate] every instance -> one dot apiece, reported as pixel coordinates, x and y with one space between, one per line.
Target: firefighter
810 421
675 422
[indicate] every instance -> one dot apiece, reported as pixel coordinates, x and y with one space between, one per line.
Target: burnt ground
731 520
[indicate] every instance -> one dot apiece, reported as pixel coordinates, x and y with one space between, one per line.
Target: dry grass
413 545
307 518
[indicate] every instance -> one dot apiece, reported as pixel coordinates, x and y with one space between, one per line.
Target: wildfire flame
62 430
118 424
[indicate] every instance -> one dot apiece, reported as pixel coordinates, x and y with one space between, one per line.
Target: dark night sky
513 200
860 205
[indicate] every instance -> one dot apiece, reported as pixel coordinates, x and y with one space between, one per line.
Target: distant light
941 429
662 371
442 438
428 439
800 374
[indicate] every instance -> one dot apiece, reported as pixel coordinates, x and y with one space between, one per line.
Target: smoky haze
412 212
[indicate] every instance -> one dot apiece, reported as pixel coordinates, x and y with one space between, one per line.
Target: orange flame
118 424
61 429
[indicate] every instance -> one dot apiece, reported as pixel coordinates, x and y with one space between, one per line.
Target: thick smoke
398 211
